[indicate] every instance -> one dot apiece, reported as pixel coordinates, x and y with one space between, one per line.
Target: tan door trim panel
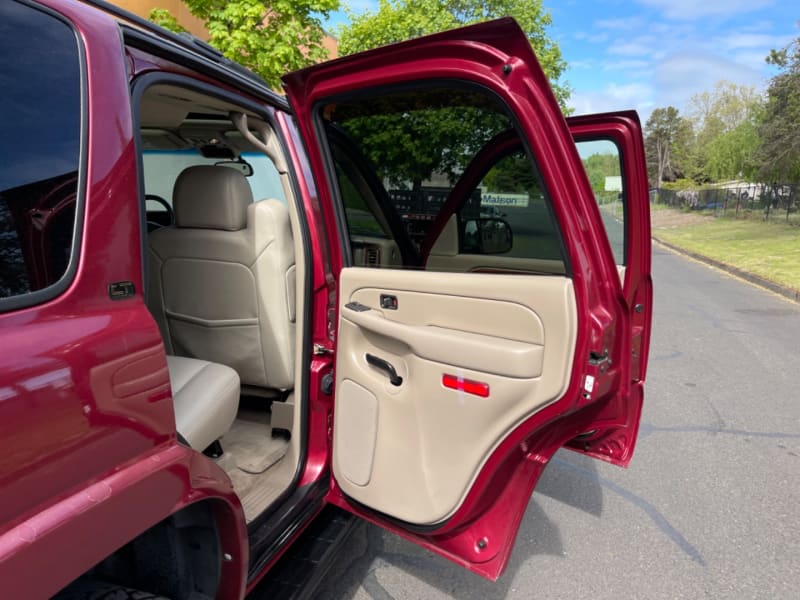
413 450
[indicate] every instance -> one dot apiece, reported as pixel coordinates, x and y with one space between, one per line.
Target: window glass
162 167
40 148
510 196
601 159
360 219
423 147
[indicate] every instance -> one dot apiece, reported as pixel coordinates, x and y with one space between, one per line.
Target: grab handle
385 365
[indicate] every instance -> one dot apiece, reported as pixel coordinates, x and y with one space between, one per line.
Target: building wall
178 9
331 44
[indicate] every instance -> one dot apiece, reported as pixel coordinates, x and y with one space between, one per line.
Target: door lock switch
388 302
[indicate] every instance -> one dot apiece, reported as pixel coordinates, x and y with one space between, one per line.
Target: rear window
162 167
40 104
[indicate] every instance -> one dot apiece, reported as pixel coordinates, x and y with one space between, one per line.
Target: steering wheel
166 205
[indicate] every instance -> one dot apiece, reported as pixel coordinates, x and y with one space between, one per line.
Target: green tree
731 154
668 136
513 174
398 20
270 38
161 16
778 157
422 133
409 148
725 120
724 108
599 166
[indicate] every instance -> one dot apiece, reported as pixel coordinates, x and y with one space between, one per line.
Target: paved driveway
710 507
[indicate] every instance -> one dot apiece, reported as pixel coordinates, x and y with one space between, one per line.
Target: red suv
217 319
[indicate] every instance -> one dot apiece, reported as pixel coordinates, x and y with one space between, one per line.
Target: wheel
91 589
166 205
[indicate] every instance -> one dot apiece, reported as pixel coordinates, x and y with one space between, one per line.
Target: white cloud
759 25
750 48
737 39
693 9
627 66
591 37
682 75
581 64
640 46
615 97
754 59
671 29
628 91
619 24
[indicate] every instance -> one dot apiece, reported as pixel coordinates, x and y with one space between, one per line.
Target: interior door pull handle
385 365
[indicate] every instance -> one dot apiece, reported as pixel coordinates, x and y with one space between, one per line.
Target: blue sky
646 54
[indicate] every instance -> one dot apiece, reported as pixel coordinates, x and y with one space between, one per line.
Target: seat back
222 281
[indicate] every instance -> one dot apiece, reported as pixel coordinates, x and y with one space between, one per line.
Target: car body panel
88 426
146 491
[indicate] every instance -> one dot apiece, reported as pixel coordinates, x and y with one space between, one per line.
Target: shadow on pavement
574 488
382 566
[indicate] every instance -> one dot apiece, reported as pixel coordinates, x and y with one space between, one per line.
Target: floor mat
249 452
253 447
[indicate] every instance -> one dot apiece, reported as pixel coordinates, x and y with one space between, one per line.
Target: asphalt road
710 507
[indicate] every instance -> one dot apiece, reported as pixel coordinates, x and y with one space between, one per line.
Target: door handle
385 365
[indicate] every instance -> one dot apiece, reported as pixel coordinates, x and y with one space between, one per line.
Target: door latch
320 350
597 358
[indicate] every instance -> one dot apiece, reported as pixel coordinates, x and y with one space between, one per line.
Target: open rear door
482 322
612 150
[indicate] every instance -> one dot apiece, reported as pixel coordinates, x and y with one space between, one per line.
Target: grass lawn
659 207
769 249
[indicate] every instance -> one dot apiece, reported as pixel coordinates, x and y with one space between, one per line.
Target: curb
786 292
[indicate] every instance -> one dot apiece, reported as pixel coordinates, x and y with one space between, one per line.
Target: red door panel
496 56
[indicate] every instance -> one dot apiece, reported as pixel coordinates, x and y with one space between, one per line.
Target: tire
90 589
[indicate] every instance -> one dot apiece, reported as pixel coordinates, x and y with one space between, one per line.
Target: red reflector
467 385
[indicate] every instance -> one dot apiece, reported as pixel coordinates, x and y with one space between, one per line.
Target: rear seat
206 398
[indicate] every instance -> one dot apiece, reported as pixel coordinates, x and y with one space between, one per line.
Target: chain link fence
768 201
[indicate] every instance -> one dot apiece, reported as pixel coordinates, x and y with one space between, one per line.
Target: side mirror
241 165
486 236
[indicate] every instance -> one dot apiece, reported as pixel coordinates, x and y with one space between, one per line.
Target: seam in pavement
785 291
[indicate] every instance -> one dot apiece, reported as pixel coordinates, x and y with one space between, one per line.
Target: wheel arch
172 488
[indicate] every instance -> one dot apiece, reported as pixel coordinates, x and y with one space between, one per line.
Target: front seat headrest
209 197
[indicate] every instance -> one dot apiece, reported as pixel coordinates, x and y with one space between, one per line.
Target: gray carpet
249 452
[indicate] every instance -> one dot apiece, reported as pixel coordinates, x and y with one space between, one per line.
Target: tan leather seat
205 396
222 281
